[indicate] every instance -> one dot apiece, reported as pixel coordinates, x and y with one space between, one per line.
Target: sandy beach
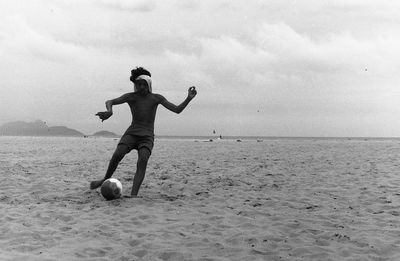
279 199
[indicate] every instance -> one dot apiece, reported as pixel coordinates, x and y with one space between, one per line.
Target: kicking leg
143 157
118 155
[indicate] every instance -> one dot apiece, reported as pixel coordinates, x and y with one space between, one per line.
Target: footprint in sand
140 253
91 252
172 256
134 242
64 229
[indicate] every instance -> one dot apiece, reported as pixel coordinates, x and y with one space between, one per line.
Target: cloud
22 40
188 4
130 6
253 64
291 71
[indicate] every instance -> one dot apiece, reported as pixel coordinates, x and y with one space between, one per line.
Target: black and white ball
111 189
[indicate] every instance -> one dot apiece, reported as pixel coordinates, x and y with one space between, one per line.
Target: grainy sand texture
279 199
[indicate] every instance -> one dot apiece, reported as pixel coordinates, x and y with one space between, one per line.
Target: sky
261 68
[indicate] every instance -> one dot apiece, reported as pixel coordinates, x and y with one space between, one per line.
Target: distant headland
107 134
40 128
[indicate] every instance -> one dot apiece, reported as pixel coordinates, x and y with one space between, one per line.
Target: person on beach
140 134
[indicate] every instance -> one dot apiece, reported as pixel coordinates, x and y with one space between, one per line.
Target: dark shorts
137 142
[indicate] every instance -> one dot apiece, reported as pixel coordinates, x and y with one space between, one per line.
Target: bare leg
118 155
143 157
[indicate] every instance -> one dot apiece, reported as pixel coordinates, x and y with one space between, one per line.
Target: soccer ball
111 189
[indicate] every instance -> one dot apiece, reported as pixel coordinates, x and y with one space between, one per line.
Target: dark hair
137 72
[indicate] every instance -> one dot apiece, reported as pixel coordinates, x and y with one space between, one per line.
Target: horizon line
280 137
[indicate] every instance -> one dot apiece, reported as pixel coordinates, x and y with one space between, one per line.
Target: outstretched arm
179 108
104 115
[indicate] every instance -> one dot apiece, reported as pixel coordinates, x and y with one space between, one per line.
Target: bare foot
95 184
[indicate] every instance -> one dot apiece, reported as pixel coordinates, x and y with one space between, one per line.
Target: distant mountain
107 134
36 128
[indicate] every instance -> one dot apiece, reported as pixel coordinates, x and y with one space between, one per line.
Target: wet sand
301 199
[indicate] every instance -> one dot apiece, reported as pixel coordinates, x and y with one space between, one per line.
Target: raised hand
192 92
104 115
